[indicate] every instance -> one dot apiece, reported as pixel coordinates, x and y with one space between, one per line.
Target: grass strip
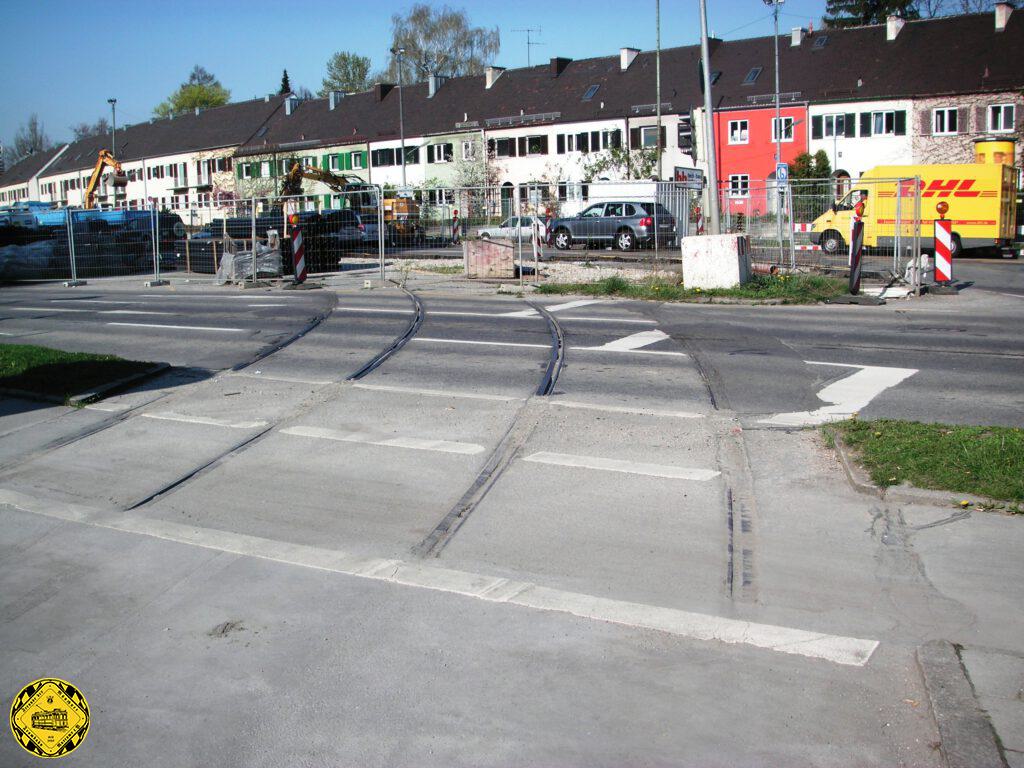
788 289
984 461
55 373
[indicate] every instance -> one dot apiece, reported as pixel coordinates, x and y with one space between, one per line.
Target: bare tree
974 6
439 41
85 130
30 138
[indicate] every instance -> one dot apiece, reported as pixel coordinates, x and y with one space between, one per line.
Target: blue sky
72 56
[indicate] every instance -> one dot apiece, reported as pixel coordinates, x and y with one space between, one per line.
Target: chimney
492 74
266 98
380 90
558 65
197 113
334 99
434 82
626 56
797 37
893 25
1003 11
290 103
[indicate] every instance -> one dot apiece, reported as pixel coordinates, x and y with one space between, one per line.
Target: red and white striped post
943 246
298 256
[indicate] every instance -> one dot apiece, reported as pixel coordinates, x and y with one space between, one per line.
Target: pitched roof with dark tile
28 167
214 128
961 54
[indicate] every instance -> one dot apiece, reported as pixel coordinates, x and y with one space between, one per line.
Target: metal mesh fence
807 223
72 243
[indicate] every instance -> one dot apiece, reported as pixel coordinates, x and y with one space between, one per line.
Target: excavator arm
337 182
104 160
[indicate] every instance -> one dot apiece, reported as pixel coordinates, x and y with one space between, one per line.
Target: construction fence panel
338 233
34 250
806 224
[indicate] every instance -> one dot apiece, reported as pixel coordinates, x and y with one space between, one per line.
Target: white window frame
645 131
356 159
833 120
742 134
469 150
333 163
945 112
883 115
992 112
787 124
265 169
246 170
739 185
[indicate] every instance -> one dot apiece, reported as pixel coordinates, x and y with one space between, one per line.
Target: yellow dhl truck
982 200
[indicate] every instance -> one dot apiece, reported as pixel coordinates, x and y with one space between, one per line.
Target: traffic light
685 135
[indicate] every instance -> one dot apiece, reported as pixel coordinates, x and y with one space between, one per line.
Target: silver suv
625 225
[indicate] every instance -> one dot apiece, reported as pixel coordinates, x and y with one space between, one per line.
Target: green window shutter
325 163
238 170
366 163
327 201
345 162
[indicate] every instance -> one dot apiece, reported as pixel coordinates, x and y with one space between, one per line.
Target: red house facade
745 149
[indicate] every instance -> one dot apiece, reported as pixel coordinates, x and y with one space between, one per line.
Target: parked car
510 229
624 225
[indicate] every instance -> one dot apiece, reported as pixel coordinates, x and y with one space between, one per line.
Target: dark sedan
624 225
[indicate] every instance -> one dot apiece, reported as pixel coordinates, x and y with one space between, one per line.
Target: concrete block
715 261
486 259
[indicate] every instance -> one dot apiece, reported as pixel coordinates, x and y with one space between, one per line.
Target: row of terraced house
897 93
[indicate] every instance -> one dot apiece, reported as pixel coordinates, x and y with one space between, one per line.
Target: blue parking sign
782 172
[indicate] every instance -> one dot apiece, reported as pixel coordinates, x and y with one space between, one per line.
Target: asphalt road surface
256 560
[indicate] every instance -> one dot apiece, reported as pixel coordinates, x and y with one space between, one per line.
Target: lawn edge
861 482
84 398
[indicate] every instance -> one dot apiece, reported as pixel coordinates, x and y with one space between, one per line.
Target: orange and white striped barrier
298 256
943 251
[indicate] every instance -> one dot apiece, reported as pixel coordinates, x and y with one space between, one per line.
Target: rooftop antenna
529 43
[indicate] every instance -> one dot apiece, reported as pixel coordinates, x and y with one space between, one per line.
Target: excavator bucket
119 180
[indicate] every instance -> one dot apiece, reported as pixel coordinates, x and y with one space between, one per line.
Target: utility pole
113 126
779 189
529 31
709 125
398 53
657 78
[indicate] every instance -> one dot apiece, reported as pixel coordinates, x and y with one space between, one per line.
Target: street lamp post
398 52
113 126
779 190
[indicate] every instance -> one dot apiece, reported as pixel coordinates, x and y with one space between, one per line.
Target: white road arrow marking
556 307
846 396
633 341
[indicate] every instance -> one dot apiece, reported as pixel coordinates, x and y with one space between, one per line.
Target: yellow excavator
118 178
401 214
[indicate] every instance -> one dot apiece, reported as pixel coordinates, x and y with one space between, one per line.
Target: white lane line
529 313
546 346
415 443
92 311
837 649
93 301
436 392
266 305
623 409
208 421
556 307
619 465
634 341
481 343
181 327
846 396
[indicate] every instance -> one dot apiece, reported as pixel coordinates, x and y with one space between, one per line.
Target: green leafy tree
201 90
621 162
857 13
286 86
439 41
346 72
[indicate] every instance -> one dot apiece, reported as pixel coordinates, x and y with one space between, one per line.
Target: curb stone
861 482
83 398
966 736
